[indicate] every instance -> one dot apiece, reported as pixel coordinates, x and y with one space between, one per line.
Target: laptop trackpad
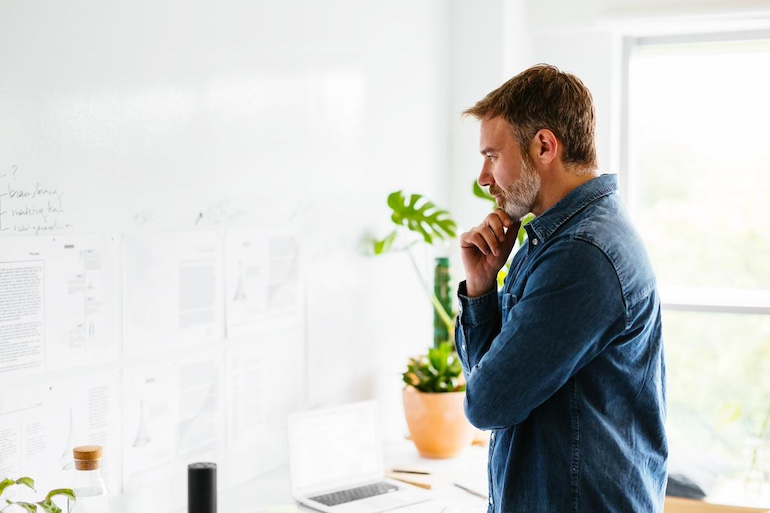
383 503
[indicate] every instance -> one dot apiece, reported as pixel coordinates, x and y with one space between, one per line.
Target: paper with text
173 291
57 303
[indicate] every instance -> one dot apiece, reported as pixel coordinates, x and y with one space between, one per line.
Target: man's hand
485 249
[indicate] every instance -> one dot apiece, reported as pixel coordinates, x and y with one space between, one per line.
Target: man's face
511 177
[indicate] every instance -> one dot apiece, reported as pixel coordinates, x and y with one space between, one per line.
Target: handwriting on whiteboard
30 208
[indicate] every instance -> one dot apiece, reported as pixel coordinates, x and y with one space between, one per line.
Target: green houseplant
434 392
435 389
47 504
437 371
418 220
430 224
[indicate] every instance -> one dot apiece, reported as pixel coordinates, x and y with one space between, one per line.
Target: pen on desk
470 491
408 471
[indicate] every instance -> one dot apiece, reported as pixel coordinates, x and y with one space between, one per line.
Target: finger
491 235
480 237
472 239
504 218
496 226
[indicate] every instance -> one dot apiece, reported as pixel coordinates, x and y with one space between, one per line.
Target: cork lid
87 457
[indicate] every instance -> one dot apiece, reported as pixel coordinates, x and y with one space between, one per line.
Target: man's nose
485 177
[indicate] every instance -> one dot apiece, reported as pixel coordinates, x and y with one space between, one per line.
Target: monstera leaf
419 215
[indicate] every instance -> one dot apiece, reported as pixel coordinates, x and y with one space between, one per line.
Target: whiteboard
237 121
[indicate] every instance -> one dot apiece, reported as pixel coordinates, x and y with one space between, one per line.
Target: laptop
336 462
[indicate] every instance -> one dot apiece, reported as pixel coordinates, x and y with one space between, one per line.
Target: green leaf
30 508
434 355
437 371
60 491
49 506
481 193
26 481
421 216
5 483
522 232
502 274
384 245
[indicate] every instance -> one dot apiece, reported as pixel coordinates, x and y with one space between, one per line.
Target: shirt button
465 348
492 435
534 242
491 502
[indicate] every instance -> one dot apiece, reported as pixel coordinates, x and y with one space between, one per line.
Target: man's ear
545 146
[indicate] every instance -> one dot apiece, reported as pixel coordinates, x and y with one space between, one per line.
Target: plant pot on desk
437 422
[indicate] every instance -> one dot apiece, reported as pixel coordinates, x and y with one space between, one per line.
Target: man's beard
517 200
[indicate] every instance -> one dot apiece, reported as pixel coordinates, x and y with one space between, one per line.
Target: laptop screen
331 447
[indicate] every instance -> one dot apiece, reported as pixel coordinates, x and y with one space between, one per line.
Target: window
698 186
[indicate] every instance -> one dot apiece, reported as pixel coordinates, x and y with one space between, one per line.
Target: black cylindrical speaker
202 488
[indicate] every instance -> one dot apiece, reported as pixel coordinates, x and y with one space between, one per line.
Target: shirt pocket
508 301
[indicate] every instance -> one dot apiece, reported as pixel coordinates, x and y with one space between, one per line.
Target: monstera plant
417 220
435 390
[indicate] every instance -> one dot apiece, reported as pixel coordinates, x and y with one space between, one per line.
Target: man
564 365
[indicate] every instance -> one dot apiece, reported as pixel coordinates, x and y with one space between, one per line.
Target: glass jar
91 495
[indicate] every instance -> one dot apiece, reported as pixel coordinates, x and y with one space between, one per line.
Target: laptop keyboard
354 494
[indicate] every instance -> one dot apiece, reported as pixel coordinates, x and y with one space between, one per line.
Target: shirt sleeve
477 324
517 356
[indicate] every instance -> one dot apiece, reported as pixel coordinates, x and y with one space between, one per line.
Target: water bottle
91 495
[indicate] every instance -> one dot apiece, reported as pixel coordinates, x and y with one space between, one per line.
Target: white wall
296 116
501 38
490 42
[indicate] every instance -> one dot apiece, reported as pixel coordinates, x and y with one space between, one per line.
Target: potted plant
433 403
435 389
434 392
47 504
428 224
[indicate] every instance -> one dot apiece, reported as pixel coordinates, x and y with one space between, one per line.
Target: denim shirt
565 365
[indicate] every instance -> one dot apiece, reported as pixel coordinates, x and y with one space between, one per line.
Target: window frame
690 299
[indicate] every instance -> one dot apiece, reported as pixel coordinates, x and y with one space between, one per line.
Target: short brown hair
540 97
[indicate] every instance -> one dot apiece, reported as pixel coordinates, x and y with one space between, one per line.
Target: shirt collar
576 200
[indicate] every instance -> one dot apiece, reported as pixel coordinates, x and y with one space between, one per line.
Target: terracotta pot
437 422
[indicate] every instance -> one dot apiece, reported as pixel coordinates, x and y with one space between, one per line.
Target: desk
469 468
273 489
